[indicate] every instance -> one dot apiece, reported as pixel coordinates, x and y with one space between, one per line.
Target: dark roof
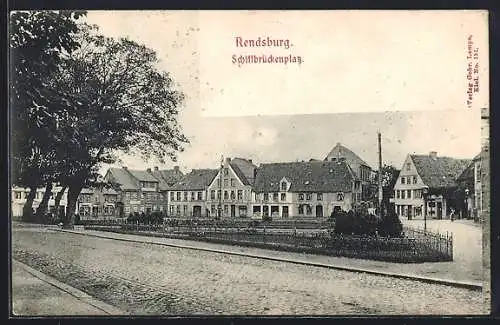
123 178
169 176
341 151
312 176
143 175
197 179
439 172
244 169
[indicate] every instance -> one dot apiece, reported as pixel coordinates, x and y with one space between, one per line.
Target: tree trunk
73 193
57 200
28 205
41 211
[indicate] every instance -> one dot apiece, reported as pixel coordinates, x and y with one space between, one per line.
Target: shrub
355 222
390 225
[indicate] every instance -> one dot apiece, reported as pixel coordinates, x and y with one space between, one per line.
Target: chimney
176 168
156 168
433 154
149 170
250 160
228 160
125 167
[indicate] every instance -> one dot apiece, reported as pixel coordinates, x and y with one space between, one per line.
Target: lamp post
425 191
466 205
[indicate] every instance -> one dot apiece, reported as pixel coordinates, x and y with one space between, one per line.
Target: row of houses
312 189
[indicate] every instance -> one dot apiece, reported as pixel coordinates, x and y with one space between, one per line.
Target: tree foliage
37 41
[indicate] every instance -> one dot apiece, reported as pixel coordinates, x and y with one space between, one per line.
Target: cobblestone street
197 282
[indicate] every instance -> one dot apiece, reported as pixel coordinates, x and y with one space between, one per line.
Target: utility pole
220 185
380 192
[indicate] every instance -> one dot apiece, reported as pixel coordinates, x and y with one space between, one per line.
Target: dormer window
340 196
284 186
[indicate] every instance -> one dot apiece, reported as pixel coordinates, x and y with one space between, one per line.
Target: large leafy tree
38 39
117 100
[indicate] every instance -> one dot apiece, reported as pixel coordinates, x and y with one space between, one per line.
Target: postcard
249 163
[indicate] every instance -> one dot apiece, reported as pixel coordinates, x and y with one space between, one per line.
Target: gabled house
361 169
304 189
187 197
230 192
427 185
139 191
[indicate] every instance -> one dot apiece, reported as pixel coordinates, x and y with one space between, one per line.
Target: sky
402 74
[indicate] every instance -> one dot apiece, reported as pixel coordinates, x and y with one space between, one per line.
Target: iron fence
415 246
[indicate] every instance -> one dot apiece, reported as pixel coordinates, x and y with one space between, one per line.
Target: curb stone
80 295
447 282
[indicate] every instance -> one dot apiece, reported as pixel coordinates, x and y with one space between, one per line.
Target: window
408 166
172 209
225 182
218 194
301 196
212 195
171 196
340 196
283 196
319 196
308 210
178 196
308 196
403 180
185 208
266 196
212 209
226 195
275 197
232 182
226 172
218 182
414 179
301 209
240 195
398 192
283 186
265 210
185 196
403 192
408 194
417 194
200 196
233 196
17 195
226 209
178 210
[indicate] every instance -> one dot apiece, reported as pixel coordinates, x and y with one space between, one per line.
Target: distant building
187 198
20 194
426 186
97 203
470 182
168 176
138 191
311 189
361 169
230 192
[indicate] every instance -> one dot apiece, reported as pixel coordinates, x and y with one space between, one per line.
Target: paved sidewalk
36 294
449 272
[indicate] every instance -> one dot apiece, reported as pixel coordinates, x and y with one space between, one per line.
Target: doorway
197 211
233 211
319 211
284 212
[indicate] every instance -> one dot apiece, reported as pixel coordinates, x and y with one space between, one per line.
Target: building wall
19 196
411 183
143 201
230 192
299 205
97 205
187 204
